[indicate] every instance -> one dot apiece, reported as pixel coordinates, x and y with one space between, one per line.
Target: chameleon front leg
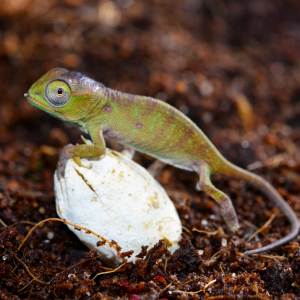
128 151
226 208
82 151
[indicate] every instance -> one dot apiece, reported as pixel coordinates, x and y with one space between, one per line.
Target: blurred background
232 66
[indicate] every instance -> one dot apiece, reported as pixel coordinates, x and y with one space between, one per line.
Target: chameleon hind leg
128 152
226 208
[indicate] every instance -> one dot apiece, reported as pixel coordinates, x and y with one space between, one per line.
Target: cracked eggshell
118 199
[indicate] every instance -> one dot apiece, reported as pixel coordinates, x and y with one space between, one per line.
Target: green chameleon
147 125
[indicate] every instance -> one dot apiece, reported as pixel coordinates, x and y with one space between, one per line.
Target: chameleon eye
58 93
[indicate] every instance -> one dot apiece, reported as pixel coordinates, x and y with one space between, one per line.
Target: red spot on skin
108 108
139 125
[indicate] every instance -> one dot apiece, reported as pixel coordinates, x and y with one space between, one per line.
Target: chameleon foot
228 213
226 208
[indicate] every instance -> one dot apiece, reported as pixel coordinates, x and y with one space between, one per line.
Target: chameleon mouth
37 103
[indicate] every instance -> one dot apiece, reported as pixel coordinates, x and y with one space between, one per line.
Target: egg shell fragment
118 199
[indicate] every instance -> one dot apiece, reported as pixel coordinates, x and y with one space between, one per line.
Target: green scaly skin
149 126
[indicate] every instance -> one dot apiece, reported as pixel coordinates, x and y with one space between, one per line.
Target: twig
226 297
30 292
262 228
81 262
94 296
114 269
188 231
24 253
216 254
219 228
222 270
291 246
165 288
247 223
203 290
108 271
21 222
24 222
166 264
75 226
189 281
271 161
2 223
25 285
271 256
211 282
206 232
26 268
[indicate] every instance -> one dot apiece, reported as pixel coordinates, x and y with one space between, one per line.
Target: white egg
118 199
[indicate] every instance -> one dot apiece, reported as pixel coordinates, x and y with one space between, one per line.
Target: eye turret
58 93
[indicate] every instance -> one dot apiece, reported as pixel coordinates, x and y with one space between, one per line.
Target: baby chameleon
149 126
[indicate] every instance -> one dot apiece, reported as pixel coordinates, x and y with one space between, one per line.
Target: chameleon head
70 96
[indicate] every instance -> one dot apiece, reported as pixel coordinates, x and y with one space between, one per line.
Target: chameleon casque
149 126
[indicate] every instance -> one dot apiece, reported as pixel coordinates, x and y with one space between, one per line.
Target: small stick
21 222
250 224
219 228
2 223
26 285
114 269
165 288
94 296
108 271
206 232
30 292
81 262
24 253
222 270
188 231
271 257
291 246
26 268
273 161
166 264
189 281
75 226
211 282
262 228
203 290
226 297
24 222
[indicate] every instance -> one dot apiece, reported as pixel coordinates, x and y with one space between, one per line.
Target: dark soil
232 66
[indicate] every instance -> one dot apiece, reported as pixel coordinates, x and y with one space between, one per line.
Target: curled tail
267 189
